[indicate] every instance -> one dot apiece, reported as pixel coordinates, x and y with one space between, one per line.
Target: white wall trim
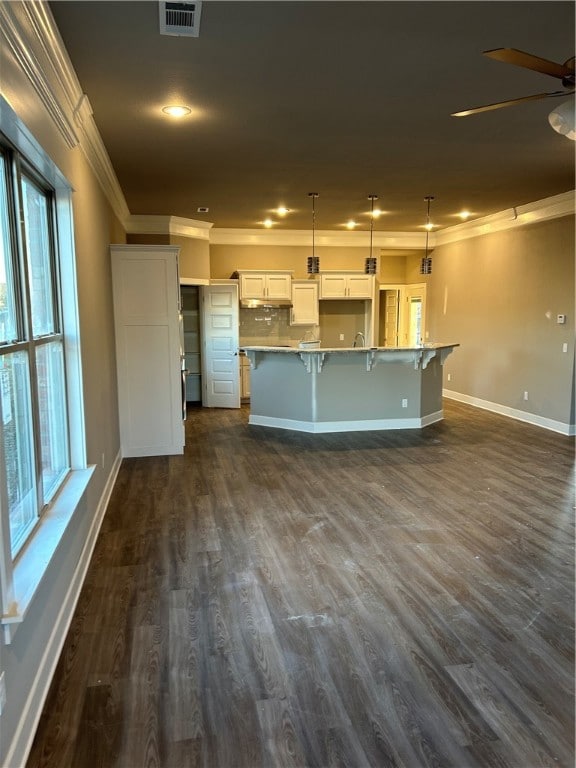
22 739
140 224
512 413
511 218
361 425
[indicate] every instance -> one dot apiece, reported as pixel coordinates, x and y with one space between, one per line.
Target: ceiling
345 99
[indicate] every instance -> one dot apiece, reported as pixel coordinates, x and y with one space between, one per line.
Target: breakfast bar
346 389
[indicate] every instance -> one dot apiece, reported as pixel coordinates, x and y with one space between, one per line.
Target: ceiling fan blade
509 103
527 60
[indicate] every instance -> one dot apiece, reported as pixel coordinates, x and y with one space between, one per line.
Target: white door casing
413 316
220 322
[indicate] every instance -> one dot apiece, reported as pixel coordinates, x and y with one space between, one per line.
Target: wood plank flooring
375 599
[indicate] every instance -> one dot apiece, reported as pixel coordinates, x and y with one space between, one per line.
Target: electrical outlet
2 693
449 377
525 395
565 347
103 460
404 403
341 337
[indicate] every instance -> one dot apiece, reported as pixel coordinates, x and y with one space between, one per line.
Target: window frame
21 576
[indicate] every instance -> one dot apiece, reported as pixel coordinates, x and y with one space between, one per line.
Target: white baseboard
362 425
512 413
22 740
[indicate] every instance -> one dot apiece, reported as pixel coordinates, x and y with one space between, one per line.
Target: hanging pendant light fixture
313 262
426 263
370 263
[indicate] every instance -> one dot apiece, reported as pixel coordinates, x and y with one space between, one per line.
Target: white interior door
221 339
391 302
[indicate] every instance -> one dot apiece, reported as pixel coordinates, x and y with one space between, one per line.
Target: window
33 403
44 472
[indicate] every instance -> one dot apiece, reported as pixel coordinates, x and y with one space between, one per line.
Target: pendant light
426 263
313 262
370 263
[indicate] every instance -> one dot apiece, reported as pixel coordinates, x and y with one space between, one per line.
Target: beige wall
28 658
194 258
498 296
226 259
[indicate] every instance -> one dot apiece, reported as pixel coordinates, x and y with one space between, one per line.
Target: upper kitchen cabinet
304 309
265 285
347 285
148 349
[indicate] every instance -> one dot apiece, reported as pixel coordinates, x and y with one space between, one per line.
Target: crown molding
35 42
541 210
138 224
325 237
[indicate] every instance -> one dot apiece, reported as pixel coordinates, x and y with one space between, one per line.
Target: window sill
34 560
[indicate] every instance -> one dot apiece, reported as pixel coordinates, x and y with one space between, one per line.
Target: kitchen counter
339 389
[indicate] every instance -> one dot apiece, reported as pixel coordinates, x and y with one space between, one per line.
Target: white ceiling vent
180 19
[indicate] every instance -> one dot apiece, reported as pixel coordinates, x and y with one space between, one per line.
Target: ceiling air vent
180 19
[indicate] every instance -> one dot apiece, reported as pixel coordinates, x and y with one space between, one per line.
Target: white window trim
20 579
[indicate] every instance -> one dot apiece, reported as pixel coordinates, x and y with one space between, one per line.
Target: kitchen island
346 389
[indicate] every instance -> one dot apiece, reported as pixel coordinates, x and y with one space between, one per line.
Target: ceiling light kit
562 119
370 263
426 263
176 110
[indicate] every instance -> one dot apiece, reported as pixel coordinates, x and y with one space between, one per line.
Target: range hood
265 303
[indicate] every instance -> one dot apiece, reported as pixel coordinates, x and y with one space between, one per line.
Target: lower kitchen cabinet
244 378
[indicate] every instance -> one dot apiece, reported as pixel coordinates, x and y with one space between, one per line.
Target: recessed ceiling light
282 210
176 110
429 226
350 224
464 215
267 223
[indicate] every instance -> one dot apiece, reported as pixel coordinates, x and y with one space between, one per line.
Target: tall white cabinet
148 349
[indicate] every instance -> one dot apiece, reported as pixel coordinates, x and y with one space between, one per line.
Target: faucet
361 337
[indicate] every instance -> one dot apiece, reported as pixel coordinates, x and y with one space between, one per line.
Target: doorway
402 315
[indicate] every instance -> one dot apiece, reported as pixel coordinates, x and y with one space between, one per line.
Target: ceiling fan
564 72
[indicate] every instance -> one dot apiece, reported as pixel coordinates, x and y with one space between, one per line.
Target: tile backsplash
269 325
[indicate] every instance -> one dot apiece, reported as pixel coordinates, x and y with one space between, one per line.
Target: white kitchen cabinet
148 349
342 285
265 285
304 303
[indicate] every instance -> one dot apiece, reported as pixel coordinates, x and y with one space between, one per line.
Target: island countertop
296 348
338 389
314 357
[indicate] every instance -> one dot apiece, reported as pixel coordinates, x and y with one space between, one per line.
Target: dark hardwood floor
379 599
